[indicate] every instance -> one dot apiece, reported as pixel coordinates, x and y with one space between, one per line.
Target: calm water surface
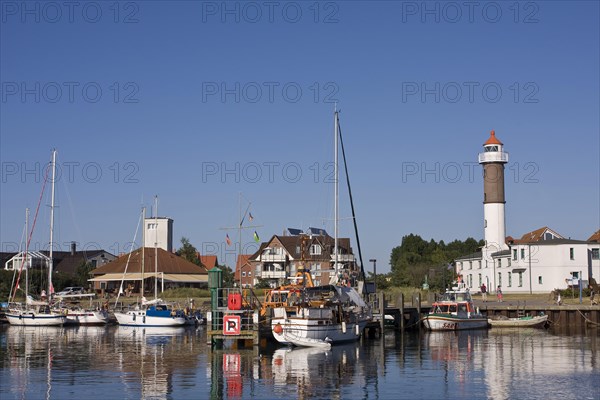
159 363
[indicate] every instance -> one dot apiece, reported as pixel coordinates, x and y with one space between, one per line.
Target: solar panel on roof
294 231
317 231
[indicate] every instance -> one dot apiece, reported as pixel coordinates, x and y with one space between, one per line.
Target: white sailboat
327 315
39 313
154 312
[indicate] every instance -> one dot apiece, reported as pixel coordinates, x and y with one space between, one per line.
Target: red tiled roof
493 139
535 236
595 237
209 261
167 263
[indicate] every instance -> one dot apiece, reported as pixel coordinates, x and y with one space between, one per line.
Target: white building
159 232
539 262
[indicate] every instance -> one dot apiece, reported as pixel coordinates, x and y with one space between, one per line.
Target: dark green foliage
262 284
228 276
416 258
188 251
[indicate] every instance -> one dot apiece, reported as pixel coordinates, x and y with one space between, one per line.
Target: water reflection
174 363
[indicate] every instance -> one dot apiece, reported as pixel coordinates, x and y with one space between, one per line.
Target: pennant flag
256 238
228 240
250 217
51 288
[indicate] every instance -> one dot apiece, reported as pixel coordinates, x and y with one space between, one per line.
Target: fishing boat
455 311
34 312
156 312
500 321
317 316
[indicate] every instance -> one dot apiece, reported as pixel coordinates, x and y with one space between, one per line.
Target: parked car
70 290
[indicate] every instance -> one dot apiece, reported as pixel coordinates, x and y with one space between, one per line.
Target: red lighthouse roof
492 139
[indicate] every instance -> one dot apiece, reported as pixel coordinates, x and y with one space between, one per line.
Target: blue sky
197 102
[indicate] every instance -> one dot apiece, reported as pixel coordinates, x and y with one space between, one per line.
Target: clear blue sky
157 97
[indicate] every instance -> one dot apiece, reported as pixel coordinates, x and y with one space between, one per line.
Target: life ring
278 329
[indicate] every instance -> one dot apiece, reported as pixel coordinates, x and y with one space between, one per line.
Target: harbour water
114 362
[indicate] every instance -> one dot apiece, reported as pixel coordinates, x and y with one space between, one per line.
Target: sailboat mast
26 253
155 247
143 247
51 263
336 196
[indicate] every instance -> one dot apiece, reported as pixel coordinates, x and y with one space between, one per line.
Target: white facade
159 232
539 262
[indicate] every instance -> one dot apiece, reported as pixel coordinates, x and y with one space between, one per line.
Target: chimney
73 248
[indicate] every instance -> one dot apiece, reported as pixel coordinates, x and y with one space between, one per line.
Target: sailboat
153 312
324 315
39 313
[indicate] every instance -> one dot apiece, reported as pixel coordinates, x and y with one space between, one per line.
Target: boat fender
357 329
20 316
134 316
144 319
278 329
343 326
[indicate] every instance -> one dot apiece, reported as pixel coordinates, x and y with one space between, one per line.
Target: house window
515 254
480 281
315 250
595 254
508 261
540 280
499 279
486 264
571 253
243 274
460 266
470 264
249 273
479 264
520 279
499 263
522 254
297 249
509 279
470 280
485 223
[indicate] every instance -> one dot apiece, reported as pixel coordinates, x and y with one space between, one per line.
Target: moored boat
537 321
324 315
455 311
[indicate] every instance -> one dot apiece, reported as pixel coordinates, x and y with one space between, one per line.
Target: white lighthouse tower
493 159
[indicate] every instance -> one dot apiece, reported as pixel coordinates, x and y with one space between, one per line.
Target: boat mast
51 263
26 254
155 247
143 247
336 195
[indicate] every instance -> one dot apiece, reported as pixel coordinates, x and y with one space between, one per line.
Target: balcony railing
493 156
272 274
343 257
272 257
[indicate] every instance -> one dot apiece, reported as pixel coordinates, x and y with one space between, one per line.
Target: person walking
499 294
484 293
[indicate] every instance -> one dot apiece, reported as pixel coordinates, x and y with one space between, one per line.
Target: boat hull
35 319
85 317
533 322
453 323
313 332
139 318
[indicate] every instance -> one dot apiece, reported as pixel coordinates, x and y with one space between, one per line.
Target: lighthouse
493 159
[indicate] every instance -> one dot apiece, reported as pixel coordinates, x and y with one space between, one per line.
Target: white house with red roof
540 261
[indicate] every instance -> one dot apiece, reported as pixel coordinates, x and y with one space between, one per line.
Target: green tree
188 251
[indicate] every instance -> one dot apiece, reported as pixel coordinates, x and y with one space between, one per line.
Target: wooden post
401 307
381 312
419 306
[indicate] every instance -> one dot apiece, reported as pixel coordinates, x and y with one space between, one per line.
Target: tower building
493 159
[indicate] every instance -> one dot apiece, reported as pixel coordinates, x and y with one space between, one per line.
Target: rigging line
129 258
362 269
23 238
37 209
